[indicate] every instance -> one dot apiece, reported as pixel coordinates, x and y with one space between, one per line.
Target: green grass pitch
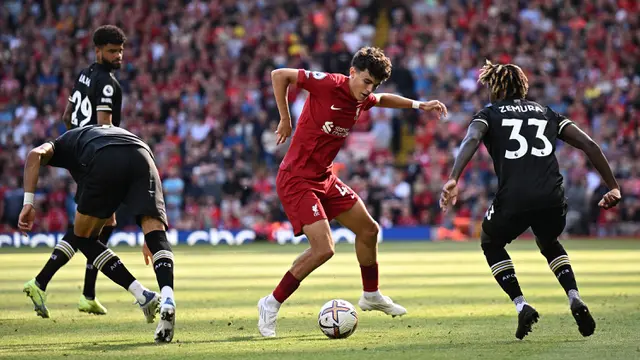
456 310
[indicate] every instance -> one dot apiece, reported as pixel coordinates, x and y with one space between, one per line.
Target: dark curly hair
108 34
504 81
374 60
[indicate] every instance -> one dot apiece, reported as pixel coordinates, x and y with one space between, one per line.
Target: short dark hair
504 81
374 60
108 34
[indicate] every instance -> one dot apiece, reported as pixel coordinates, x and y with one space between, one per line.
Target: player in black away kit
520 136
111 166
96 99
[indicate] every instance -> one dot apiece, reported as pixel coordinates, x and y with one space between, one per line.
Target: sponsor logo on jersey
332 129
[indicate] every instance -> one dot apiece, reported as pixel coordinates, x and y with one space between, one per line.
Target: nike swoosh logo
335 108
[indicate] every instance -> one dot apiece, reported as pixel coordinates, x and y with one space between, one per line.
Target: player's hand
146 253
449 195
26 218
434 105
284 131
610 199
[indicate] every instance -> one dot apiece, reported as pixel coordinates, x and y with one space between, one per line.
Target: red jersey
324 124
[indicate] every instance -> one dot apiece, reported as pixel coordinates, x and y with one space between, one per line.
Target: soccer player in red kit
310 193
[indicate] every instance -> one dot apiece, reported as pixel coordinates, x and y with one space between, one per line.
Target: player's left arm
400 102
36 157
104 117
477 130
571 134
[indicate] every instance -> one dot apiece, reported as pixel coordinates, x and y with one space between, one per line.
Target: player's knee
371 230
368 232
324 254
323 250
488 244
91 248
150 224
85 231
550 247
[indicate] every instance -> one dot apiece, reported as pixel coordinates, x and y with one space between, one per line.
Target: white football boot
267 316
379 302
164 331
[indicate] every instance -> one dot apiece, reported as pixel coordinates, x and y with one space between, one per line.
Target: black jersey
521 141
95 89
75 149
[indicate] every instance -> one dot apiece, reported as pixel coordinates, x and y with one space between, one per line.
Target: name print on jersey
520 108
85 80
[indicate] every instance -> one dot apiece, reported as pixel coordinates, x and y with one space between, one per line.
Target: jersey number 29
522 141
84 105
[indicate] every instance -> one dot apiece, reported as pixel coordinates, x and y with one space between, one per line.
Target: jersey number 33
523 145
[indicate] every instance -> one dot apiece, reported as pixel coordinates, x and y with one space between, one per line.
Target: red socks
287 286
369 277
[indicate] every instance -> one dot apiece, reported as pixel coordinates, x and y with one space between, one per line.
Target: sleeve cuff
482 121
564 123
301 77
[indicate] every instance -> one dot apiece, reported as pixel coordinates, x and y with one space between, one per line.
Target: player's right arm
317 83
574 136
477 129
280 80
53 153
66 116
35 158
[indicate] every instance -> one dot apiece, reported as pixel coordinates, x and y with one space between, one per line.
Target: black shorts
546 224
122 174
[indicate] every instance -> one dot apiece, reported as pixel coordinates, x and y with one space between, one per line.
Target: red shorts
307 201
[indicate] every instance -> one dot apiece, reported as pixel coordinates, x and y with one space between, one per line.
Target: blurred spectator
196 82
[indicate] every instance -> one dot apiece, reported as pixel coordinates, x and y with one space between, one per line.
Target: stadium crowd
196 83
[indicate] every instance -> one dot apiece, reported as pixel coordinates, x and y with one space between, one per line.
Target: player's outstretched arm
400 102
38 156
280 80
574 136
66 116
470 144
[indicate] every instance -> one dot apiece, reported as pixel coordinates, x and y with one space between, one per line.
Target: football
338 319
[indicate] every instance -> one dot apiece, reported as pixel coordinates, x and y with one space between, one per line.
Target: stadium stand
197 88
